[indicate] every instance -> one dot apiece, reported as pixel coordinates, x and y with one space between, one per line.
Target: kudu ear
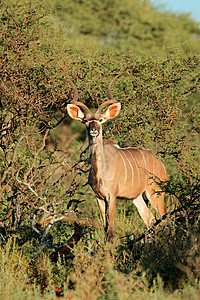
112 111
75 112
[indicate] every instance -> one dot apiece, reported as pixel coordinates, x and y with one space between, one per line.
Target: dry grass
165 264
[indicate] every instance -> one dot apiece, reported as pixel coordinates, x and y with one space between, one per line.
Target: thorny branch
30 188
13 157
51 217
164 217
79 232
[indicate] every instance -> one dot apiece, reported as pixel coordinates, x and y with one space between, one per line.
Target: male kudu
128 173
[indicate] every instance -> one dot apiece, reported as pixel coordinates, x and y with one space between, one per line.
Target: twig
82 223
48 228
30 188
79 227
13 157
187 270
142 236
3 238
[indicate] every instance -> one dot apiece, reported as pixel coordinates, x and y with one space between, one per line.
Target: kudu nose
94 132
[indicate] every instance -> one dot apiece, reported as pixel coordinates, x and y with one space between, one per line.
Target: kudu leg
111 216
144 211
107 209
102 208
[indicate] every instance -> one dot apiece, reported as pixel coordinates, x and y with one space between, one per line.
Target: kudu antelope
128 173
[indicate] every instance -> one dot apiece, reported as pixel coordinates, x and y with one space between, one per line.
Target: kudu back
128 173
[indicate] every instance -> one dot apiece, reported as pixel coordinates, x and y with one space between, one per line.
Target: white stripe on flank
144 159
163 166
124 167
126 148
136 166
153 171
132 177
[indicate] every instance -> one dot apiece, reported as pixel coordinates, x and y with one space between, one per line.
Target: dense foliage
125 24
44 159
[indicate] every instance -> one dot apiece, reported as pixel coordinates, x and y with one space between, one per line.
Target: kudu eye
84 120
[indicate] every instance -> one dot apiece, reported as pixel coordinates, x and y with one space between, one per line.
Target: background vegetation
51 240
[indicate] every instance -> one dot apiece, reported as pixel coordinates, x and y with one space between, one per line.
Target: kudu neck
96 152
